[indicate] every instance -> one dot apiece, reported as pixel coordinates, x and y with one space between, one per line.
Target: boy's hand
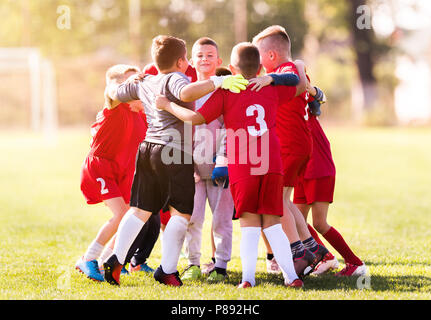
139 77
234 83
260 82
310 89
162 102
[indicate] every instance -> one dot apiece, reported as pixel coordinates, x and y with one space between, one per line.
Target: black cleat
112 270
304 263
172 279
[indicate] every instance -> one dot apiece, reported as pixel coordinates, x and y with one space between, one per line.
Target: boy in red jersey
107 172
256 182
296 146
315 191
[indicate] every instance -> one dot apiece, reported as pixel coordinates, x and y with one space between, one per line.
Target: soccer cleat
124 270
353 270
192 272
113 270
272 266
320 254
297 283
207 268
244 285
143 267
327 264
172 279
304 263
90 269
217 277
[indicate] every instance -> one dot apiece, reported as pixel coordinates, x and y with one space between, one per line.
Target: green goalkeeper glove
234 83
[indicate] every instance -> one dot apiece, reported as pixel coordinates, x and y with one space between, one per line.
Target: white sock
173 239
127 232
281 248
93 251
249 252
106 253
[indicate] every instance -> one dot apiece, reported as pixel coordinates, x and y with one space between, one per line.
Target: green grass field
382 207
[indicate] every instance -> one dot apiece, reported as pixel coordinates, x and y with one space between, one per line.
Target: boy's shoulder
286 67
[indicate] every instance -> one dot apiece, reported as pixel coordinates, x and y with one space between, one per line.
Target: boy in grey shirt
164 168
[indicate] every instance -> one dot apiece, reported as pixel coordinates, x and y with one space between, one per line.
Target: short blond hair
117 73
275 38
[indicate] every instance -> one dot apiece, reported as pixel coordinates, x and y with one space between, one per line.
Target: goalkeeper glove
234 83
220 175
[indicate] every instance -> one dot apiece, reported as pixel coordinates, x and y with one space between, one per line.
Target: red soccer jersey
250 118
321 163
190 72
116 135
292 116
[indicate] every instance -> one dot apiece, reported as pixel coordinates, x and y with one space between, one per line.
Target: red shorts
259 194
100 180
293 167
164 217
308 191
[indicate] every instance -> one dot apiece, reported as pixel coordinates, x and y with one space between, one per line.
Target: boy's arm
287 79
115 93
196 90
283 79
181 113
300 66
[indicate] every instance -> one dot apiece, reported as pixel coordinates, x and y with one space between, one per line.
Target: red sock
336 240
316 237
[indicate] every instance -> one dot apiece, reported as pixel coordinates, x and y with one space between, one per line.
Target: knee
320 226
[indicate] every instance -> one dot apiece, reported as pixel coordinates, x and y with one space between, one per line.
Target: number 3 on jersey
260 120
307 96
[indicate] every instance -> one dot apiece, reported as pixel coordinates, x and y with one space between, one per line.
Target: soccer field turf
382 207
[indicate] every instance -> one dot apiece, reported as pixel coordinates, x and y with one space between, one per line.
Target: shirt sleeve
213 107
176 83
128 92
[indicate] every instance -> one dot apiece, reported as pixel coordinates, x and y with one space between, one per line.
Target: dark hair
206 41
247 60
166 50
222 71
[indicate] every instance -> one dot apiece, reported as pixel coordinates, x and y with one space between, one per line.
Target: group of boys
249 147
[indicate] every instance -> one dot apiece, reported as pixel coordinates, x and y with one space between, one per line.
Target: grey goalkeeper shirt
163 127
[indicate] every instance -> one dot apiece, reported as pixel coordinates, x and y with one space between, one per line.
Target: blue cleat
124 271
90 269
142 267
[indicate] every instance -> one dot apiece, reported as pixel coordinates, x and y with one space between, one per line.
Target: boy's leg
144 243
173 239
88 263
128 230
118 208
194 231
335 239
280 245
221 204
250 233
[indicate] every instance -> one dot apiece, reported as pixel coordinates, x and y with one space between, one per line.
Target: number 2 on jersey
103 189
260 120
